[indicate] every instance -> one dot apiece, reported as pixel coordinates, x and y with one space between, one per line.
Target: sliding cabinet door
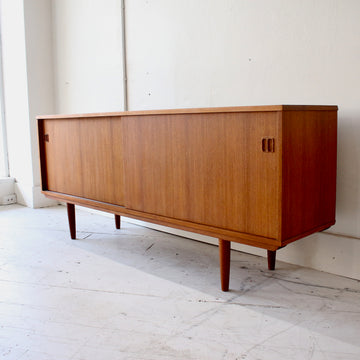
205 168
84 158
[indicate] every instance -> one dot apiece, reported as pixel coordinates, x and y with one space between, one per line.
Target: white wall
16 93
84 44
185 53
87 54
28 89
39 62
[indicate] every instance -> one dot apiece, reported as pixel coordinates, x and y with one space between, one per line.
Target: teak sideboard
261 175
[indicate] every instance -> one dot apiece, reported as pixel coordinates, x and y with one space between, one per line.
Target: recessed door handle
268 145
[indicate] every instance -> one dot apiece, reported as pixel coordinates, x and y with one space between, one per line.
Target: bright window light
4 167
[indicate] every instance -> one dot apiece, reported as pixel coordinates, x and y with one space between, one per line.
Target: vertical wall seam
124 58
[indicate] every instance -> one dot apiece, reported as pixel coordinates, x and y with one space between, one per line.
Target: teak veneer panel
263 176
189 168
84 157
309 170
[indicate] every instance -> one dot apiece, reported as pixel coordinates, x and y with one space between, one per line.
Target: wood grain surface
309 170
83 157
207 168
263 176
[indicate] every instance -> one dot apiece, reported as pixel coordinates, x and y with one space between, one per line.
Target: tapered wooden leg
71 217
271 256
224 252
117 221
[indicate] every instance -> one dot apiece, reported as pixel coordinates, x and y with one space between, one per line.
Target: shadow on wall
348 177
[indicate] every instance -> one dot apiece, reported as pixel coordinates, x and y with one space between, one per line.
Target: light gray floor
139 294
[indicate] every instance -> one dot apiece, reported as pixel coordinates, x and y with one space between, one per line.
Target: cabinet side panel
205 168
309 171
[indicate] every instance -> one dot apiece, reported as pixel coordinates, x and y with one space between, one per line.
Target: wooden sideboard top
198 111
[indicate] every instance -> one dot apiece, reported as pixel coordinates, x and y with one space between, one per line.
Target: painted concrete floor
136 294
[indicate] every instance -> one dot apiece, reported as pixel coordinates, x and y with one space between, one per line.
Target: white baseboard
31 196
40 200
326 251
